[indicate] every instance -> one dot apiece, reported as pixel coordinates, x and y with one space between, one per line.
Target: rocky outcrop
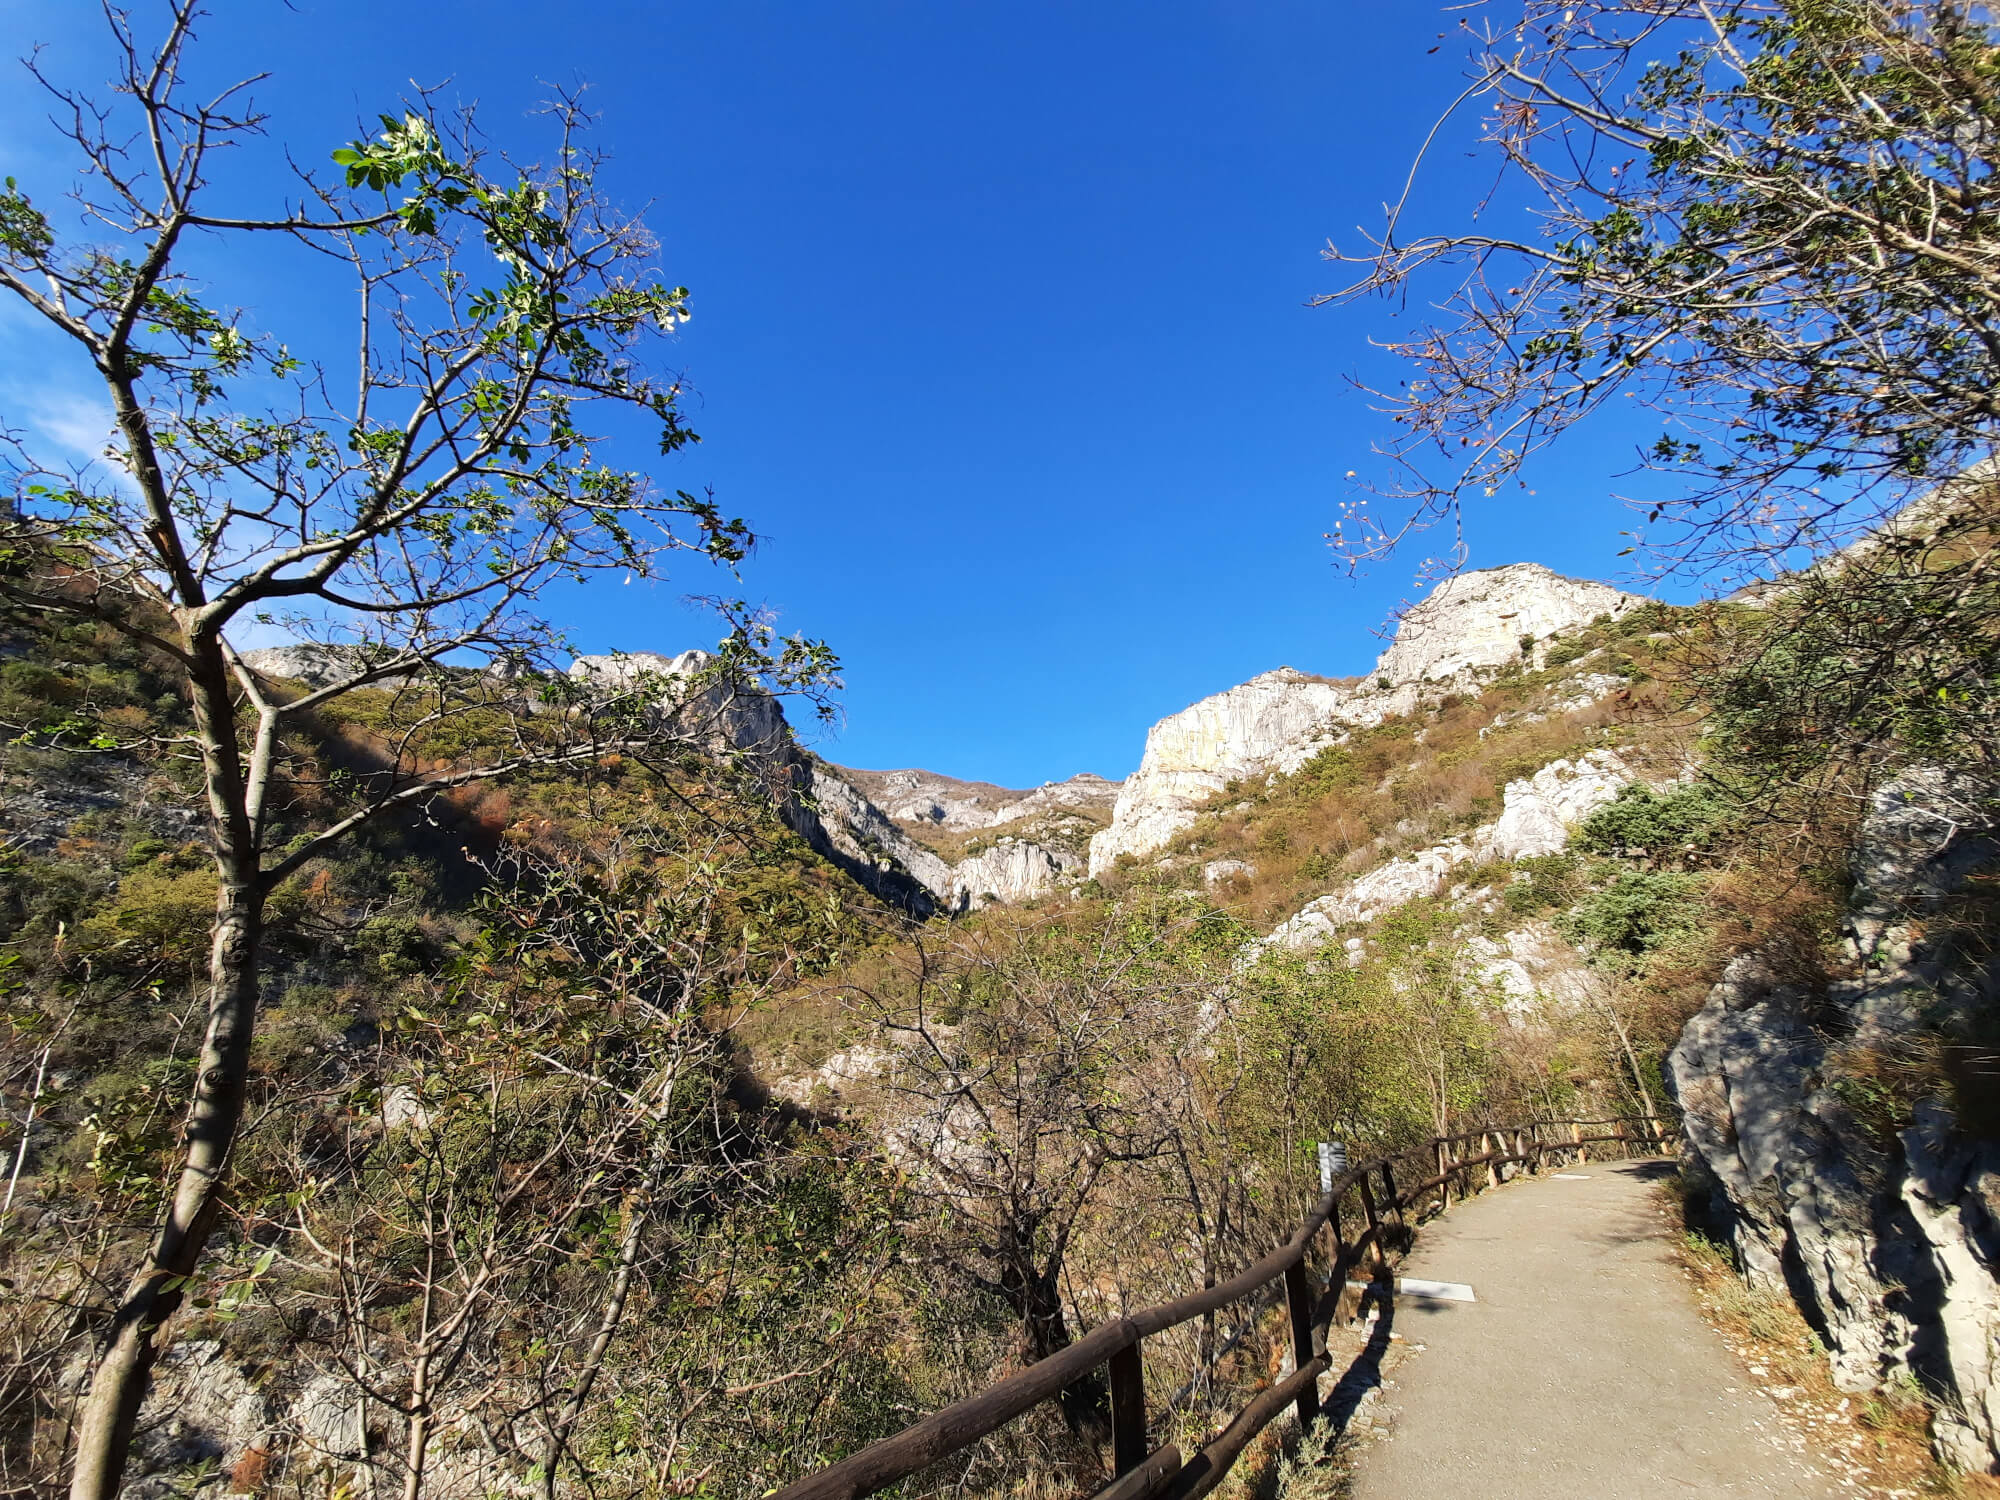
924 799
319 664
1526 965
846 828
1012 871
1886 1232
1470 623
1474 620
816 802
1275 722
1539 813
730 717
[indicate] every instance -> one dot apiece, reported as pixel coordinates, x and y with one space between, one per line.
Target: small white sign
1434 1291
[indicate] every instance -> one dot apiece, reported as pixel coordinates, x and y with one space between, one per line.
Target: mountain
931 842
1469 628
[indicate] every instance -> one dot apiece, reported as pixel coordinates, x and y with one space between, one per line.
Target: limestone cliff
836 811
1470 624
1014 870
1275 722
1474 620
922 800
1884 1227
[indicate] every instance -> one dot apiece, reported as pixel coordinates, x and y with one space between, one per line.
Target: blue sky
1000 329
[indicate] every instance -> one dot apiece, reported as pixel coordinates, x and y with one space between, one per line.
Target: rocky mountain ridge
878 825
926 800
1470 625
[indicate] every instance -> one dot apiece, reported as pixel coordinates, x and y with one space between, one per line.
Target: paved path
1584 1370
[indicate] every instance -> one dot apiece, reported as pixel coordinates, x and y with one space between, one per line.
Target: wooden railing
1143 1473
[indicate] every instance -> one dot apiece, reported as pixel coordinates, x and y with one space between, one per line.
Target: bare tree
559 1107
404 508
1769 222
1017 1089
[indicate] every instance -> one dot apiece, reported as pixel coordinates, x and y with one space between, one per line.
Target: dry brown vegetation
1415 780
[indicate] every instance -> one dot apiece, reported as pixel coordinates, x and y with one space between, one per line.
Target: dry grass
1882 1440
1406 784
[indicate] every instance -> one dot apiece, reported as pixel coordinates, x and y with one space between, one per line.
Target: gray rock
1474 620
1890 1246
320 664
1275 723
1013 870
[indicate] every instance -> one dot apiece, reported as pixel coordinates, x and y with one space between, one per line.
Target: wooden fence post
1128 1409
1444 1171
1298 1295
1395 1198
1576 1135
1374 1223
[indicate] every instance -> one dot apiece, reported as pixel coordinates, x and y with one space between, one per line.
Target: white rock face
1538 814
1275 722
1278 721
926 799
1382 889
317 665
1478 619
1893 1252
837 1076
1013 870
1540 811
1528 964
1218 870
742 719
837 819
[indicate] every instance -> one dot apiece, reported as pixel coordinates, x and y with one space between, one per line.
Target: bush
1334 769
1640 819
1635 913
155 914
1546 881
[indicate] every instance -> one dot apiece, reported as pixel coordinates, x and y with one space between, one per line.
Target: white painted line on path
1572 1176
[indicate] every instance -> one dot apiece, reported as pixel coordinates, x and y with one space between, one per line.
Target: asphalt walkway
1583 1372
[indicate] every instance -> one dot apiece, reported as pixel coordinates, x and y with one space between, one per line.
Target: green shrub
1641 819
1635 913
1546 881
1333 769
156 913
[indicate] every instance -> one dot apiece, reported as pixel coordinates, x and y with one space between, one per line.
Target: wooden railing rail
1116 1346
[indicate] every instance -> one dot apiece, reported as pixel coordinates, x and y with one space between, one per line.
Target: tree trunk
1037 1297
1611 1015
111 1410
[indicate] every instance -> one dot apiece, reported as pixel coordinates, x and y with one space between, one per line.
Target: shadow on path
1365 1373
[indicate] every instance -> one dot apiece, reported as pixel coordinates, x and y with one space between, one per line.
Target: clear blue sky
1000 331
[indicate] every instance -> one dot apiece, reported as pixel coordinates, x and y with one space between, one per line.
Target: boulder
1889 1240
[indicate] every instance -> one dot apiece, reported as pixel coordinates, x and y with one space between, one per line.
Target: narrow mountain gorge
1496 873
